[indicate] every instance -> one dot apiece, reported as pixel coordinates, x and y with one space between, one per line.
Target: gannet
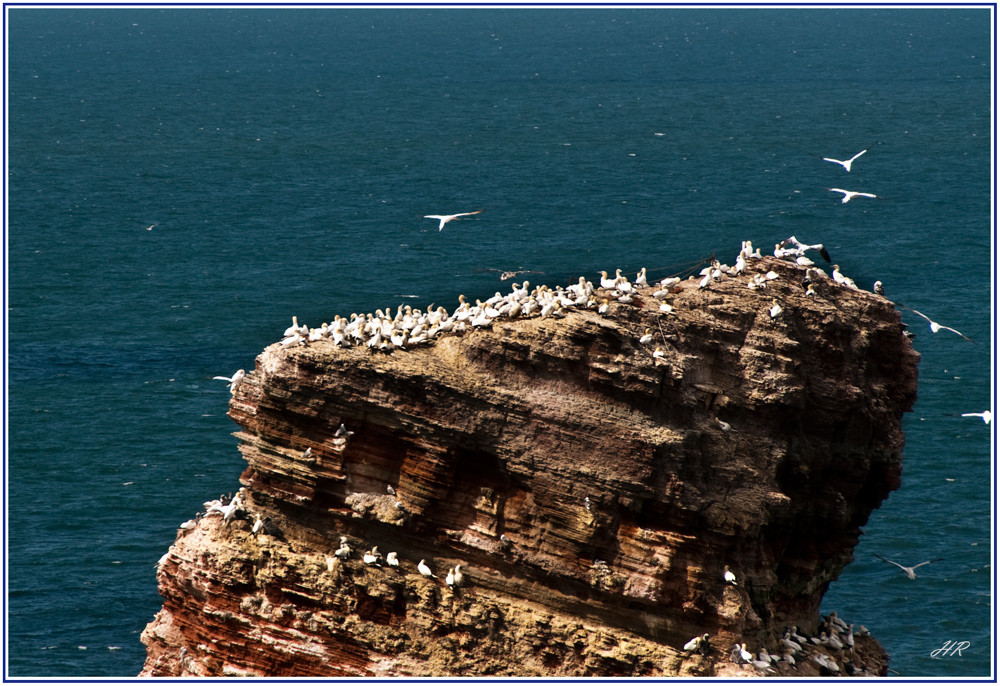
745 654
986 416
803 247
852 194
908 570
846 164
606 282
425 570
640 278
294 328
878 288
695 643
775 309
259 524
450 579
935 327
391 559
344 551
725 426
646 338
233 380
371 557
445 218
728 575
459 577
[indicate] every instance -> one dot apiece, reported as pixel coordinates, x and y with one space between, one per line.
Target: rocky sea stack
592 491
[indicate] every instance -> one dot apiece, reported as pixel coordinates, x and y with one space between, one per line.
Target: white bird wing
956 331
858 155
840 162
890 562
223 378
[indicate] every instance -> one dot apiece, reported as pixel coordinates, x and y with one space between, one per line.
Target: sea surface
181 181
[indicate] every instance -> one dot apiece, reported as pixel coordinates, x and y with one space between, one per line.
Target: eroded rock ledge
589 491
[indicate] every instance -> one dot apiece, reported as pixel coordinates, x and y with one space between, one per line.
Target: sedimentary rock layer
591 491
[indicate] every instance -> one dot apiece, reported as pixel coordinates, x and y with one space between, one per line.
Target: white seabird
425 570
646 338
695 643
391 559
371 557
233 380
445 218
846 164
775 309
852 194
908 570
728 575
935 327
986 416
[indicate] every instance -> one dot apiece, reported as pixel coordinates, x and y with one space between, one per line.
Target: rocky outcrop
591 491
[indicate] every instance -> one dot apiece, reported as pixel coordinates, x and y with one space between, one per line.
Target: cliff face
591 491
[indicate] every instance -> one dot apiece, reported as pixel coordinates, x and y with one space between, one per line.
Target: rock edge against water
591 491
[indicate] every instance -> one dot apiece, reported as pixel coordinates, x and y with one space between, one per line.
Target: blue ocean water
181 181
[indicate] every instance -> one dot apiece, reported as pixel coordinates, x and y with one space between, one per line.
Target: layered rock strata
591 491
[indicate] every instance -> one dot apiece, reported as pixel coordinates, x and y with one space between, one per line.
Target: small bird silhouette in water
908 570
445 218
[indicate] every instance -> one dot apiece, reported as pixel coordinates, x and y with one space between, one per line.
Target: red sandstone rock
506 431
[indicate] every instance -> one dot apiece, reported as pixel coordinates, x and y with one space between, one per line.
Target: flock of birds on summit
410 327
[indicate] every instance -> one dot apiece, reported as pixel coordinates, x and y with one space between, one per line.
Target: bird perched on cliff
505 542
775 310
799 249
227 511
739 653
424 569
234 380
848 195
728 575
450 579
391 559
986 416
725 426
909 571
445 218
646 338
695 643
344 551
878 288
372 557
